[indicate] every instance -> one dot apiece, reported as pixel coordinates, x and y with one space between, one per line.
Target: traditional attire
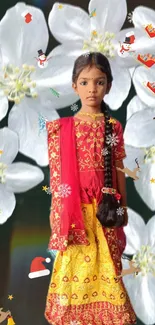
83 288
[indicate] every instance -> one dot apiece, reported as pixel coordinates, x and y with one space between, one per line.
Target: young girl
88 207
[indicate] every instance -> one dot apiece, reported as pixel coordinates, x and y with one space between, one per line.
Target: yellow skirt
83 289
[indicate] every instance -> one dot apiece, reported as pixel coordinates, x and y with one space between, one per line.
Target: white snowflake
129 17
112 139
105 151
120 211
74 107
64 190
48 191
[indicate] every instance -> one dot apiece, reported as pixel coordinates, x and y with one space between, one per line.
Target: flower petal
140 78
69 23
136 131
21 41
59 77
151 232
143 16
141 290
21 177
24 120
134 232
131 154
105 18
68 49
9 145
3 106
7 203
135 105
144 187
120 87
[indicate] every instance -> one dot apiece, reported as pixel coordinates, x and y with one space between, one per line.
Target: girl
88 207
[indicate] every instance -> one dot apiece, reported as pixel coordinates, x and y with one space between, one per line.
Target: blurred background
26 233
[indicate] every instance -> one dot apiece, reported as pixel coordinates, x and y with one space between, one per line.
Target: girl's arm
121 185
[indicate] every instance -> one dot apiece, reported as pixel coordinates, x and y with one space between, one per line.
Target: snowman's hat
40 52
37 267
129 38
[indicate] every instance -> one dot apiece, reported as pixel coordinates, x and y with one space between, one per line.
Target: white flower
141 77
112 139
120 211
80 33
141 244
74 107
23 82
139 138
64 190
15 177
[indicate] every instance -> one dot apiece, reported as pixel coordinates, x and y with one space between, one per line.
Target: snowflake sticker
48 191
74 107
64 190
120 211
112 140
104 151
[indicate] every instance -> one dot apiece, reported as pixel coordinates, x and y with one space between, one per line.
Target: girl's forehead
93 72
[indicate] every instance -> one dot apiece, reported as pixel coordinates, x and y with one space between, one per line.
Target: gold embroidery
90 142
96 297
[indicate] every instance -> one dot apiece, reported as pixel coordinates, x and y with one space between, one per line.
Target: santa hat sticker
129 38
37 267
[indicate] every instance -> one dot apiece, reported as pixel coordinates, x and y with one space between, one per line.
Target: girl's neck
88 116
91 110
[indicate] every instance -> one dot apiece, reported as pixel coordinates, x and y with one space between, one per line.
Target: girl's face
91 82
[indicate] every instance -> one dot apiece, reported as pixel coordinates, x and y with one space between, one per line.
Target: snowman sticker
126 46
42 60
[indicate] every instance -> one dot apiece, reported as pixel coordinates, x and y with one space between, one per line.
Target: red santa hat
37 267
129 38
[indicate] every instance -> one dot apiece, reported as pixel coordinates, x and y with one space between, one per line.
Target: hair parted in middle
107 209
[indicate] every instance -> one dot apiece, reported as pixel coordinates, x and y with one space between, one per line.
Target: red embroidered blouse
90 142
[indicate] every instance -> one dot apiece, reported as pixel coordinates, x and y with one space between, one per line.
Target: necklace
94 116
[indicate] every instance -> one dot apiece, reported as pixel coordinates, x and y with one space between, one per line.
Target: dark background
25 235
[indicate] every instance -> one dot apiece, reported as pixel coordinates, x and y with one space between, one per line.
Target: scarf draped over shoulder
66 214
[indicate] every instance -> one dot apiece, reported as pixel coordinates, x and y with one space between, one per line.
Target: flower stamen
16 82
149 155
3 168
145 260
100 43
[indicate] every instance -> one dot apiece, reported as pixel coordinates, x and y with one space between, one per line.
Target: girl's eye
101 82
83 82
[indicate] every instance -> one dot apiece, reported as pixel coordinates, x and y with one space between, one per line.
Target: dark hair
106 214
